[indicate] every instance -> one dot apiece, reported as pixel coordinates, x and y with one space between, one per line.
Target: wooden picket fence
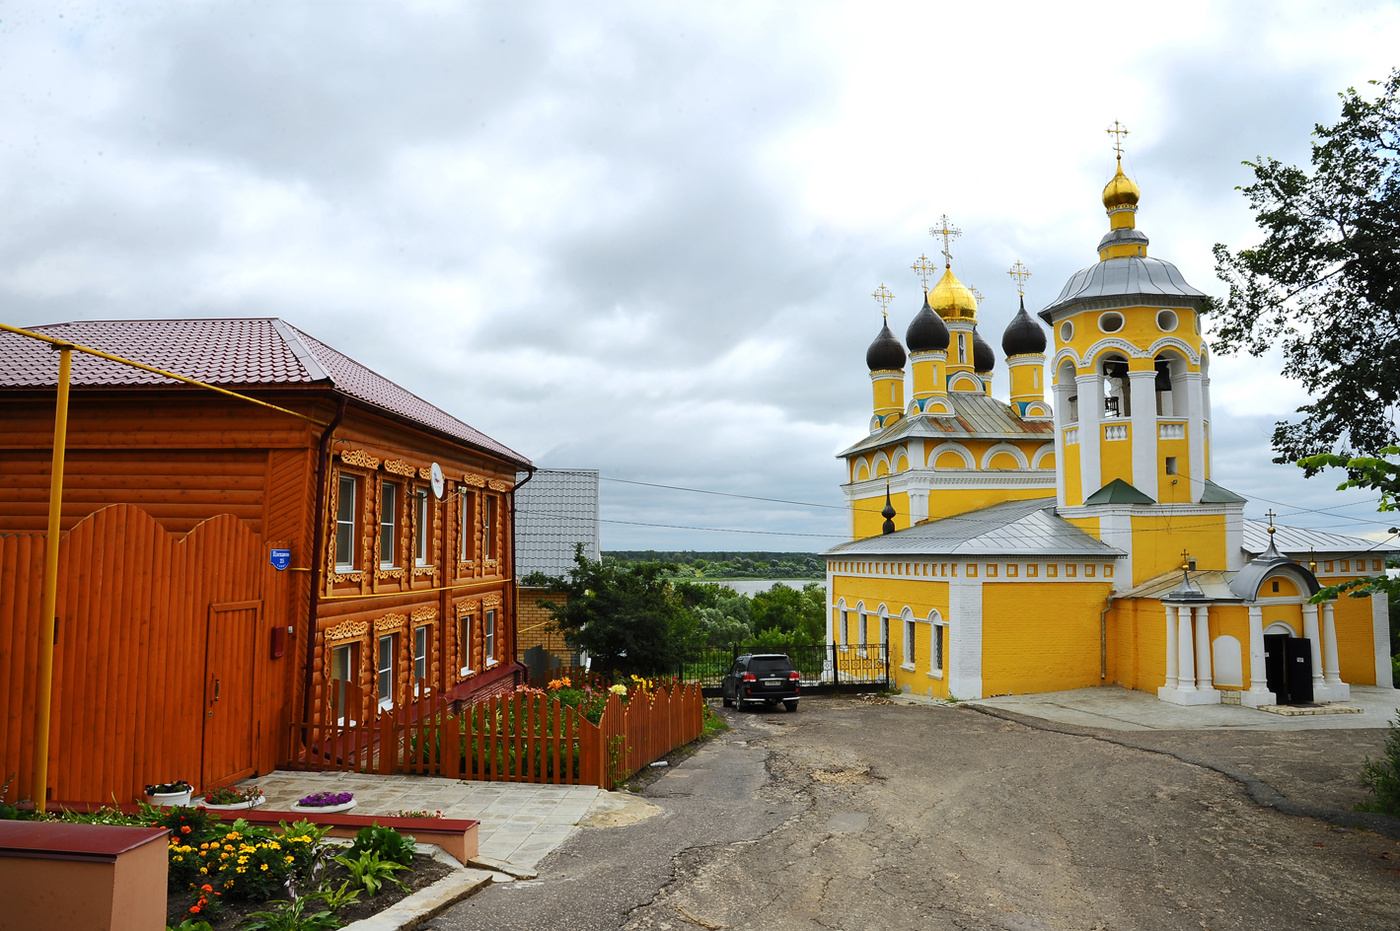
521 737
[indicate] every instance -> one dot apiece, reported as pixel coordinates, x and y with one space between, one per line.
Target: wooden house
229 571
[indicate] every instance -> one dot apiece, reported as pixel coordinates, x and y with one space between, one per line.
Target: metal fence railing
823 664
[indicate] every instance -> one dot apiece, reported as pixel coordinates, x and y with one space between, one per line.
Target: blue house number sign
281 559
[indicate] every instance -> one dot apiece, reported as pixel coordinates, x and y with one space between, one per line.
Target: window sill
935 675
465 671
386 706
490 663
907 667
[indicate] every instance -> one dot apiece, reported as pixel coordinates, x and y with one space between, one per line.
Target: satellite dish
436 473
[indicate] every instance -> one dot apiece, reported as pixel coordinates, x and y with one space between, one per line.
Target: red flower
185 829
194 909
207 888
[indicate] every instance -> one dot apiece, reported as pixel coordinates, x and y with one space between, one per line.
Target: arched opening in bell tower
1171 372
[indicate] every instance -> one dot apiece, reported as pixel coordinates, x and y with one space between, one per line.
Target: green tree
629 618
1324 285
791 611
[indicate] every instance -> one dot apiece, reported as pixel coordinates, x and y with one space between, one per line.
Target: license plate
772 683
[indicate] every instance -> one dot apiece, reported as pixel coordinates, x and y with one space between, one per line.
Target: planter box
61 876
170 799
238 806
456 836
323 809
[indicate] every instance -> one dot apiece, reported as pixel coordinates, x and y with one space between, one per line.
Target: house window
845 627
388 527
1171 465
345 523
386 671
488 530
909 643
860 629
489 647
420 659
935 665
464 645
468 526
343 666
423 516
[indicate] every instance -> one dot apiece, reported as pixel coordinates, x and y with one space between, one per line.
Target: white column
1203 676
1258 693
1380 639
1171 646
1143 388
1185 651
1205 408
1090 435
1331 663
1063 389
918 506
1195 433
1315 642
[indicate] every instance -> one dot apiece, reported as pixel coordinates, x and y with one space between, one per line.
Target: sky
642 237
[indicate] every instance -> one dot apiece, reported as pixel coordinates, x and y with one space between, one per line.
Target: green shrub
387 843
369 872
1382 776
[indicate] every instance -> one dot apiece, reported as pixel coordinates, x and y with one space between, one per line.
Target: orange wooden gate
162 666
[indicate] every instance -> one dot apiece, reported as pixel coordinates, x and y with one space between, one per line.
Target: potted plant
169 794
229 798
326 802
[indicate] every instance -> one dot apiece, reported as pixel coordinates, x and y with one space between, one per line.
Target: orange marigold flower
207 888
194 909
185 829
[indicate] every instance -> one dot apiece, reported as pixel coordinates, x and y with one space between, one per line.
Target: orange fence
521 737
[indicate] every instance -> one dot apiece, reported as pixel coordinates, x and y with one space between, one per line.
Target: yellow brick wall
1158 542
535 627
1356 645
1041 636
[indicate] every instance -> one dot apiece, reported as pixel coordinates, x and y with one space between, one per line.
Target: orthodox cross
924 268
1118 132
883 296
1185 559
1020 273
1270 515
948 232
975 293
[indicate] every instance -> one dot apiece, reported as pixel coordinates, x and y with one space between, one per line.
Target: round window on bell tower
1066 331
1166 321
1110 322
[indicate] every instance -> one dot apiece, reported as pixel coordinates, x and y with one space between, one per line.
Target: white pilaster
965 637
1185 651
1063 390
1334 689
1315 644
1258 693
1171 647
1203 675
1090 435
918 506
1380 639
1143 390
1195 433
1186 691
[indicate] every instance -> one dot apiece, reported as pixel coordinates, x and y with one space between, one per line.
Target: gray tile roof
978 417
1297 542
554 511
1013 528
231 353
1124 282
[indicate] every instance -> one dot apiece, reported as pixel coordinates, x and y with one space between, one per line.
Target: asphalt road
849 815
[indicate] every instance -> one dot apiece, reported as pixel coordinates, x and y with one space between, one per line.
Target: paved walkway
1113 707
520 822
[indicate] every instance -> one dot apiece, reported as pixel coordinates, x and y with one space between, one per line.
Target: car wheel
728 702
790 705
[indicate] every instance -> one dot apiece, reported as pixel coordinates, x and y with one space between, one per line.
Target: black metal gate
824 667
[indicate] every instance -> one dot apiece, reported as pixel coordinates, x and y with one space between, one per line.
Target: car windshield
770 665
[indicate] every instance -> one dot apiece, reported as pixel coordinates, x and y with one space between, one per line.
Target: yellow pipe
50 599
155 371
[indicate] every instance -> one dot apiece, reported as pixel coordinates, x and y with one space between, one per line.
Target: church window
1035 378
962 347
935 653
1111 322
1276 585
1066 331
909 643
845 627
1171 465
1166 321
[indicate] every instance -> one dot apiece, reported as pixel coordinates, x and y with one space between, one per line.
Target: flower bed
325 802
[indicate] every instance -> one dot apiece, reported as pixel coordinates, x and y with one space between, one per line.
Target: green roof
1214 494
1118 492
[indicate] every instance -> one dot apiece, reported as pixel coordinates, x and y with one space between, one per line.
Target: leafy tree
1378 474
791 611
629 618
1325 283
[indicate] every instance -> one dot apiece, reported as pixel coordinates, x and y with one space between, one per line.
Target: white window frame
845 628
467 545
909 641
488 529
339 700
388 524
421 552
345 561
488 643
420 658
381 670
936 647
464 644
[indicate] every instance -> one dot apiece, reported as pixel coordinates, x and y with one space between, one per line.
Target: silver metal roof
554 511
1125 282
1013 528
1297 542
978 417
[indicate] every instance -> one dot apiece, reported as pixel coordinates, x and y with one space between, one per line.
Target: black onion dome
1023 335
885 353
983 359
927 331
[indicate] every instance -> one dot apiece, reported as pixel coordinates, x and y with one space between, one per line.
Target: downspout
318 543
514 588
1103 638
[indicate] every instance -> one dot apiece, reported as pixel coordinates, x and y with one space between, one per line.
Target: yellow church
1073 536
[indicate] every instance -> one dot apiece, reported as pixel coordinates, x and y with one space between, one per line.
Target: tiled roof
1013 528
554 511
1122 282
977 417
1297 542
232 353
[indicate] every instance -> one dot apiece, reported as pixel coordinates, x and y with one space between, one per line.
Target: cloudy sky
642 237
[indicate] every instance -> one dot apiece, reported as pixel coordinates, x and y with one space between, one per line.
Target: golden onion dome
951 298
1121 191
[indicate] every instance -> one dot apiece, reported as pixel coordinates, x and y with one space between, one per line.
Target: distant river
752 587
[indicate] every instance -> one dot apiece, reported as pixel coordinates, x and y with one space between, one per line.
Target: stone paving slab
520 823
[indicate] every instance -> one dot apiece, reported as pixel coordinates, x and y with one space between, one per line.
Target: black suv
765 677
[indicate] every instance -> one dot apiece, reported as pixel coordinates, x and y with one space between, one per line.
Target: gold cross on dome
883 296
975 293
948 232
1020 273
1270 515
924 268
1185 559
1118 132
